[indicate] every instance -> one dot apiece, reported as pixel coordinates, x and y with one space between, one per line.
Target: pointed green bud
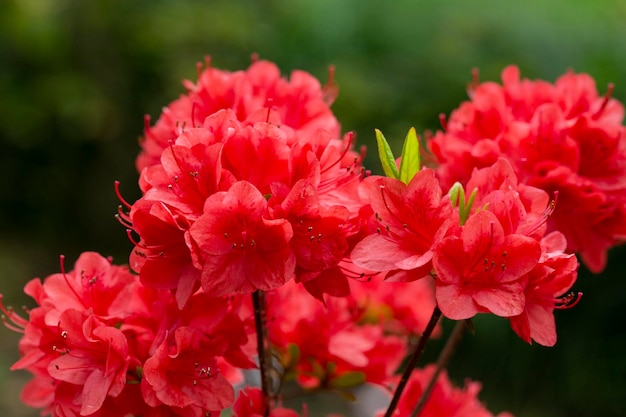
456 193
410 163
457 197
386 156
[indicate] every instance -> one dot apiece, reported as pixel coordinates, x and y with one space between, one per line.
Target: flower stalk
415 357
258 302
442 361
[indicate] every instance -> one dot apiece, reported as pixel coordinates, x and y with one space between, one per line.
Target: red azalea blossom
94 284
186 374
445 399
548 282
162 256
561 138
298 103
203 164
94 355
239 250
410 220
482 269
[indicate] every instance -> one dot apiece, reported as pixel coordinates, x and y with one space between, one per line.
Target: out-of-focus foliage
76 78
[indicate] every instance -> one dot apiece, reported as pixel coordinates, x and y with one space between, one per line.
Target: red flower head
548 282
409 221
561 138
445 399
482 269
185 373
183 195
239 249
298 103
162 256
94 356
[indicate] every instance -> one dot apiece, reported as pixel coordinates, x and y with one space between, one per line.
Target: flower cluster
99 340
562 137
261 241
239 206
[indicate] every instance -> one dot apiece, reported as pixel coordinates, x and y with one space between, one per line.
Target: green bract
409 159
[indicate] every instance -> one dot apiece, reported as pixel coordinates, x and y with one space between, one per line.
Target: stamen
147 130
569 300
357 276
443 122
132 239
67 281
531 228
330 90
343 154
607 97
254 57
119 195
475 82
123 218
269 102
194 107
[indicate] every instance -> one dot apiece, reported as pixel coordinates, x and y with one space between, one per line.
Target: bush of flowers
262 246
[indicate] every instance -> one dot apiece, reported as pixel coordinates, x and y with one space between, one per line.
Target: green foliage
386 156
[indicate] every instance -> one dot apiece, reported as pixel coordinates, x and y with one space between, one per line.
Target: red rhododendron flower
550 279
298 103
185 374
239 250
411 220
94 284
96 356
162 256
482 269
562 137
205 162
444 400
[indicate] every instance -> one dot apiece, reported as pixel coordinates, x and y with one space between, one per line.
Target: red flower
561 138
162 257
94 284
239 250
320 234
186 374
548 281
189 172
444 400
409 221
481 270
298 104
94 355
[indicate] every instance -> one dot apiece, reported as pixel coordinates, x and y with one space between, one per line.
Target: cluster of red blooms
562 137
248 187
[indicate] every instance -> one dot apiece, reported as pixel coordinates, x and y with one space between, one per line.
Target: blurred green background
76 78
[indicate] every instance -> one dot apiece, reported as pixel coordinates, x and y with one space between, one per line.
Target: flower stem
258 302
417 353
442 361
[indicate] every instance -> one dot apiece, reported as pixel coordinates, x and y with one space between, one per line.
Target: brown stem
419 350
258 302
442 360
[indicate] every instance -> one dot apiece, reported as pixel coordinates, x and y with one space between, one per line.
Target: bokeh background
77 77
